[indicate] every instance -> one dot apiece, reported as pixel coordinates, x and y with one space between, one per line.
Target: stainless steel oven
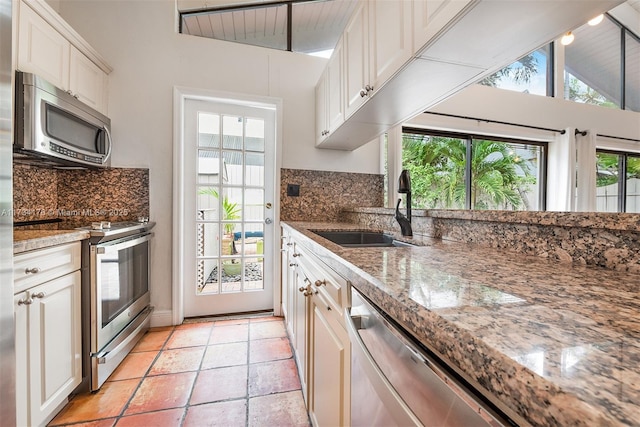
119 294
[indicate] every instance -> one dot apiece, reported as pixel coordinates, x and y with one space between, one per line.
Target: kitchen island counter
28 240
555 344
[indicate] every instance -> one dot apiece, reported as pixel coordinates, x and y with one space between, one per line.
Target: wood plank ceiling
315 25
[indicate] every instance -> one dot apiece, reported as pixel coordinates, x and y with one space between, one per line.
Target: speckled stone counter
28 240
556 344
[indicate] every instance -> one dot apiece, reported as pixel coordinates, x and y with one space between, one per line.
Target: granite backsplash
610 240
323 195
78 197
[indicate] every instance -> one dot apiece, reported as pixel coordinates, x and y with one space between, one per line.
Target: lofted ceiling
315 25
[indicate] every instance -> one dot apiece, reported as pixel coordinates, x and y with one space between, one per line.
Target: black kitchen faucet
404 186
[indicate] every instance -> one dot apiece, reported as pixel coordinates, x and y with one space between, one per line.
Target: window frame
470 137
623 161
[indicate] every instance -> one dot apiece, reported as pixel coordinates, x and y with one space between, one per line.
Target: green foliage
500 178
520 71
579 92
231 210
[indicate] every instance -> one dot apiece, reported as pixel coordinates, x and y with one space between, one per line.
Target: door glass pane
209 167
208 239
254 140
208 277
233 167
254 205
208 208
633 184
232 275
208 130
254 169
505 176
232 131
607 165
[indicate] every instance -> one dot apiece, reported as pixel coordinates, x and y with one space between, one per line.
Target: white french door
228 192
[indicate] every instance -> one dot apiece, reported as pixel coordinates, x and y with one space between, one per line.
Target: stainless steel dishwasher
395 383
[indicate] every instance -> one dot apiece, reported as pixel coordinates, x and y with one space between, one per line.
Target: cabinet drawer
39 266
334 287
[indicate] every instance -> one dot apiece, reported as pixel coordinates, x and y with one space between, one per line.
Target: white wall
138 39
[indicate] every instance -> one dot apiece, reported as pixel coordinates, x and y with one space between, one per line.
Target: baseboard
161 318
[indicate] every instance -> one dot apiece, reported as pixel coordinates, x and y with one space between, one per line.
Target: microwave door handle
108 142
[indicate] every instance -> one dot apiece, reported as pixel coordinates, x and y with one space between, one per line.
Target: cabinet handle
33 270
295 255
289 244
26 301
293 264
328 308
320 283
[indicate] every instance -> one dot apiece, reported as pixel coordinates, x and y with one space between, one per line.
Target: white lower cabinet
318 335
330 366
48 347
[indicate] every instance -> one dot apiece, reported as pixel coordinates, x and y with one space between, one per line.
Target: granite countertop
556 344
28 240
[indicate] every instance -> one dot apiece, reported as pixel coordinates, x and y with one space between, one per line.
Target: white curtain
586 173
561 172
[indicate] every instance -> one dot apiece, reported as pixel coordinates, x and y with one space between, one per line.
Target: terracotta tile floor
222 373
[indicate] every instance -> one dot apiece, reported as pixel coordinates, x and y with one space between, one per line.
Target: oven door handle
128 334
117 245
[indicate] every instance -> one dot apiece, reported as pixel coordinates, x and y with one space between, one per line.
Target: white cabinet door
322 123
301 329
330 370
431 16
356 63
390 43
87 81
335 88
51 340
41 49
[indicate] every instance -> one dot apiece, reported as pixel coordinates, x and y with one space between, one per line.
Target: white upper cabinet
51 49
356 64
430 17
42 50
390 42
403 57
335 88
87 81
329 96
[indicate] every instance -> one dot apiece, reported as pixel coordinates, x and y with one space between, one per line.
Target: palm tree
500 176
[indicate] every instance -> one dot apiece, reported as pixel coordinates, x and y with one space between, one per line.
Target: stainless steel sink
361 239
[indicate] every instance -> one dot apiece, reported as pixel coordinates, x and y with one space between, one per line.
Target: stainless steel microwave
55 128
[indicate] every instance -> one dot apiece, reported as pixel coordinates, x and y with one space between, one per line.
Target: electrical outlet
293 190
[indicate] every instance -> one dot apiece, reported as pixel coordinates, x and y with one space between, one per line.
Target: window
533 73
450 171
602 66
614 194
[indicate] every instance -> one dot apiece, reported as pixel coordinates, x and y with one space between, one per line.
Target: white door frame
180 95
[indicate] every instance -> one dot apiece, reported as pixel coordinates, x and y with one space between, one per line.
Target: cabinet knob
33 270
39 295
26 301
295 255
363 93
320 283
293 264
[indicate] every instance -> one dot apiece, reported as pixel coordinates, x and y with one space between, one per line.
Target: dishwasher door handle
392 401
